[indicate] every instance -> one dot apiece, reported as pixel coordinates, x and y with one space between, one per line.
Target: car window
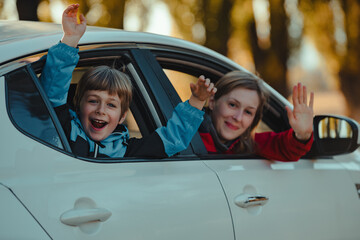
28 110
196 64
181 82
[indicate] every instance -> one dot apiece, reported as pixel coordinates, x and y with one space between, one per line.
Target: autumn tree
206 22
109 13
227 20
272 56
350 62
335 28
27 9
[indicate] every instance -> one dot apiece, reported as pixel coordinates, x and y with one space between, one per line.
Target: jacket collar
208 127
120 132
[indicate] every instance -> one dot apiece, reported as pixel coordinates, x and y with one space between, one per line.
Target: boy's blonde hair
105 78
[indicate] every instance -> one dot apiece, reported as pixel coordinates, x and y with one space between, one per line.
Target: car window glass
28 110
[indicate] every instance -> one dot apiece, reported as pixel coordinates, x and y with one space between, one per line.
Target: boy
102 100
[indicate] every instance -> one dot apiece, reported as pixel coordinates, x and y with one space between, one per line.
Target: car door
310 199
77 198
315 198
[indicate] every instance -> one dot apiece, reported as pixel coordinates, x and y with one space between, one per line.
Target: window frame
148 61
274 116
163 90
61 135
147 69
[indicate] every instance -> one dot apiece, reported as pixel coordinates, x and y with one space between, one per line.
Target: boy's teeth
98 123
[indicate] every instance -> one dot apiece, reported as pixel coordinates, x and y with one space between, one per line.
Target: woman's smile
231 126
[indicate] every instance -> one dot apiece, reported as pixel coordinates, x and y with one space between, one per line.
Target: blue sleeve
180 128
57 72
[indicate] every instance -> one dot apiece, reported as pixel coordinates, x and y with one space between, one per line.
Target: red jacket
281 146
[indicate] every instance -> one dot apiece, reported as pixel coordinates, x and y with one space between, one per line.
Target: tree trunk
27 9
115 10
350 86
350 66
217 24
271 62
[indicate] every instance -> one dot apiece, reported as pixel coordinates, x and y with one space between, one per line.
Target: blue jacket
165 141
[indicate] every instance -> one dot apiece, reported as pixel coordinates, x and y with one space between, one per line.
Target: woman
236 109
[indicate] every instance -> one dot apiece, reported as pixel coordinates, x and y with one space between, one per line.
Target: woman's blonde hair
105 78
242 79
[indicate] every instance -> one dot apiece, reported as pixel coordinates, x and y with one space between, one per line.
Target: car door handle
76 217
247 200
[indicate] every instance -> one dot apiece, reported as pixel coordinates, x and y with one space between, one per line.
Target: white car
46 192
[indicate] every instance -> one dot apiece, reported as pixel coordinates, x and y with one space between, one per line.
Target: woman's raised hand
301 117
201 91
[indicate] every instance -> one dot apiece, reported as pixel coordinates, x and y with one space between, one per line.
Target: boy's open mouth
98 123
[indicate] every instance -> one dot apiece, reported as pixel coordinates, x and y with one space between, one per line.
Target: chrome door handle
76 217
247 200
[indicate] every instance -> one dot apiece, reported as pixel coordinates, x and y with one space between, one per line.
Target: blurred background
316 42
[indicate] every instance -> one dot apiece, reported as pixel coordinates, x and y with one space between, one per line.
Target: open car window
32 114
181 82
185 70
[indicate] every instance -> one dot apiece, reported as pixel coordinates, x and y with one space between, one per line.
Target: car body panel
306 199
351 162
157 197
19 218
164 200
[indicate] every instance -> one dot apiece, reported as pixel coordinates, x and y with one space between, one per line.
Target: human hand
201 91
73 30
301 117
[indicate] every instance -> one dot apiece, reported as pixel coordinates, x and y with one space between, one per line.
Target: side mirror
335 135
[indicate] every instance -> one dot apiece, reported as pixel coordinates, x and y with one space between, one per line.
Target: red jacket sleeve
281 146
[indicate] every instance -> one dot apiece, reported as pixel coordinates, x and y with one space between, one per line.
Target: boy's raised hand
73 30
201 91
301 117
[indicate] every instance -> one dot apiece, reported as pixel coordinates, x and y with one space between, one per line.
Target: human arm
281 146
301 116
62 58
290 145
170 139
180 128
201 91
186 118
73 31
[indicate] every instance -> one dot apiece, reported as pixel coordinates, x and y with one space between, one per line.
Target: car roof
28 37
19 39
12 31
